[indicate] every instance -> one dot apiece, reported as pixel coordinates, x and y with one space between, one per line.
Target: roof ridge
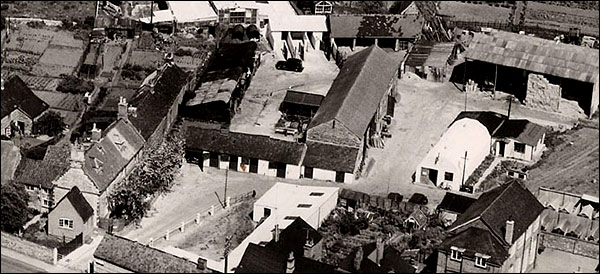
496 236
496 198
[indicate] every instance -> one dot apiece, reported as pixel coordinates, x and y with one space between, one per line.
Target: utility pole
510 99
465 99
225 194
464 169
151 11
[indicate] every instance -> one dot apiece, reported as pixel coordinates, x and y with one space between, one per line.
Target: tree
51 124
14 207
72 84
373 7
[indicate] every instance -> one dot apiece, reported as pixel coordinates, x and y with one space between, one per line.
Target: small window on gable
304 205
519 147
316 194
449 176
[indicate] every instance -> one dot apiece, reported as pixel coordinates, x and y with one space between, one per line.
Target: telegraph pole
464 169
225 194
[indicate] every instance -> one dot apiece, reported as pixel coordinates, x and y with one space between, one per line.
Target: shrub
14 207
72 84
51 124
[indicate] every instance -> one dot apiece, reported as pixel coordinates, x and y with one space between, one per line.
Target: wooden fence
67 248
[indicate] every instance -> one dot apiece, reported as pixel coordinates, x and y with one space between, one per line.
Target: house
293 36
537 71
520 139
350 118
430 60
464 145
20 107
452 206
396 32
199 14
116 254
38 175
497 233
376 257
71 216
298 238
276 213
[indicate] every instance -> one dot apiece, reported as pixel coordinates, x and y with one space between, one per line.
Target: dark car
418 198
292 64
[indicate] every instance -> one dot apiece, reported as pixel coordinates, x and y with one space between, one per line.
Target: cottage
520 139
456 155
452 206
497 233
348 121
71 216
116 254
537 71
20 107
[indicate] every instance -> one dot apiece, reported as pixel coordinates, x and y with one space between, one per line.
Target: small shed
429 60
416 221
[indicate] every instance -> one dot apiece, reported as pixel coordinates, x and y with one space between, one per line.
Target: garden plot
474 12
64 101
40 83
20 61
29 40
66 39
58 60
561 17
146 59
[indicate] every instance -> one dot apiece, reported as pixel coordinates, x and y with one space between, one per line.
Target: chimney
308 245
276 233
122 109
96 133
290 263
379 250
201 263
510 227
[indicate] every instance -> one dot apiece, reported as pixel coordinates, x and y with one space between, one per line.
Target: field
474 12
40 83
53 10
64 101
561 17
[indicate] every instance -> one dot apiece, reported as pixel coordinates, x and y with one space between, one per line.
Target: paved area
557 261
195 191
81 257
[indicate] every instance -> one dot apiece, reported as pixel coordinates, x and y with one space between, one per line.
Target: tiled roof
16 94
259 259
330 157
139 258
294 237
477 240
79 202
376 26
390 263
456 203
244 145
105 159
357 90
43 172
535 54
522 131
495 207
153 104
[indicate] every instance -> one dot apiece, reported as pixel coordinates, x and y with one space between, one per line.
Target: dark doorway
266 212
339 176
233 162
253 165
429 175
281 170
308 172
21 127
502 148
214 160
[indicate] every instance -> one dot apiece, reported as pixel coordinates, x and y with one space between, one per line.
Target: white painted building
294 35
445 163
519 139
192 13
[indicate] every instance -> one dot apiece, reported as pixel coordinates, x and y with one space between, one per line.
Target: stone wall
569 244
28 248
541 94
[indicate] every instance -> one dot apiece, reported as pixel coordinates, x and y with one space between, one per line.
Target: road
10 265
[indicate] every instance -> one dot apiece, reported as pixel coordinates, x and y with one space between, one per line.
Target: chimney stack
308 245
201 265
379 247
122 108
276 233
510 227
290 263
96 134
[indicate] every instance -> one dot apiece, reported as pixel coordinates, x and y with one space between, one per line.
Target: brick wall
569 244
541 94
28 248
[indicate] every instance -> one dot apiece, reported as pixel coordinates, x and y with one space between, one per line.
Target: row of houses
349 120
471 138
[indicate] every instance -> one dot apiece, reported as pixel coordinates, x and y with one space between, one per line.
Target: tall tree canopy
14 207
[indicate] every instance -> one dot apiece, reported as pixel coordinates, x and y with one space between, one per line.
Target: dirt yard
208 238
556 261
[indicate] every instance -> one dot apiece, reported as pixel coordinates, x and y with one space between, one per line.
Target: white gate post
167 235
54 256
197 218
212 210
228 202
182 226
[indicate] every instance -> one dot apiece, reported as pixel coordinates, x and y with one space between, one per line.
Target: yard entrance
253 165
429 175
214 160
281 170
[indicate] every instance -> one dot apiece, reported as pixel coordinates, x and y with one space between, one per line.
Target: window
304 205
449 176
65 223
481 260
266 212
456 253
316 194
30 187
290 217
46 202
519 147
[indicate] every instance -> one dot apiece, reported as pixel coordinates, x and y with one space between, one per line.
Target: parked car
292 64
418 198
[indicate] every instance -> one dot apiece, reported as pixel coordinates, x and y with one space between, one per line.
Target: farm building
453 205
498 233
538 72
397 32
310 203
301 103
569 214
193 14
239 12
20 107
519 139
456 155
296 35
348 121
429 60
71 217
243 152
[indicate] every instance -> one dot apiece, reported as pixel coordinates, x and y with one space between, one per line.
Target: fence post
212 210
54 256
228 202
167 235
182 226
197 218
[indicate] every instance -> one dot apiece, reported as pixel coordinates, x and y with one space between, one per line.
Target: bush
14 207
51 124
72 84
